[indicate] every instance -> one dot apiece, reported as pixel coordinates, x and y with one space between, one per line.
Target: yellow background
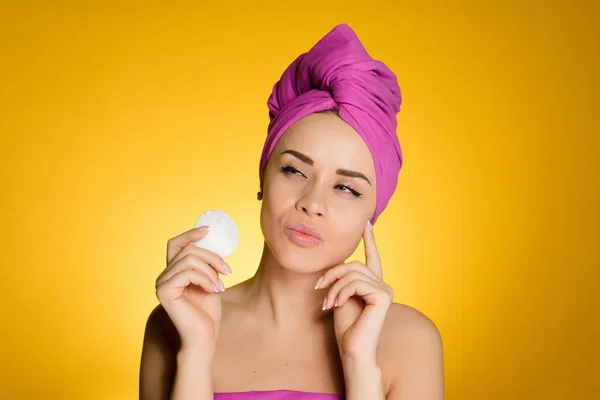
121 123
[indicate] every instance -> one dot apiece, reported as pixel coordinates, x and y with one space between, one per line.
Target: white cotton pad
222 236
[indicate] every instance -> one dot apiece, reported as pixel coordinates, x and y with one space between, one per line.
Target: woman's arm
168 372
193 379
378 338
409 357
363 380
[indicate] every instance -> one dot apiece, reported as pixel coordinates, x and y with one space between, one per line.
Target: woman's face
318 193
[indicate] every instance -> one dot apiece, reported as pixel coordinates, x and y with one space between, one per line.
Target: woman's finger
209 257
173 288
176 244
373 261
371 293
340 270
333 293
190 261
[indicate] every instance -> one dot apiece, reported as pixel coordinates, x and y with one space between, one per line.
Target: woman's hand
360 299
188 289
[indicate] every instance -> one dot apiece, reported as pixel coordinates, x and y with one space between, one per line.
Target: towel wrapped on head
338 74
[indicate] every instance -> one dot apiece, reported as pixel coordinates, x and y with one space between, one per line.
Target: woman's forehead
326 137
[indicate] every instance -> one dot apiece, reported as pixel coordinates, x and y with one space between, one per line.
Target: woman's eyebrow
345 172
352 174
302 157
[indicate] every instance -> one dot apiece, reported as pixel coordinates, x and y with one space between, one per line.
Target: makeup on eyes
340 171
289 170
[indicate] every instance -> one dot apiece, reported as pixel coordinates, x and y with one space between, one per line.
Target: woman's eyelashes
346 188
289 170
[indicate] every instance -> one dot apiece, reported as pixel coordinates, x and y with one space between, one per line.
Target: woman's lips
302 239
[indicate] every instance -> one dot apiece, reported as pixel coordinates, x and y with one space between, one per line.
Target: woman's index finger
373 261
177 243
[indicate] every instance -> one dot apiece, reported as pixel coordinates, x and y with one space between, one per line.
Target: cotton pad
222 236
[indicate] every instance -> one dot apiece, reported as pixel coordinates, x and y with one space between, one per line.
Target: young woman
307 325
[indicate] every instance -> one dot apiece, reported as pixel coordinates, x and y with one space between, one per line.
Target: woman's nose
312 201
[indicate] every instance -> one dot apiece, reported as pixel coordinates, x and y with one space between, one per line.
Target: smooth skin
307 320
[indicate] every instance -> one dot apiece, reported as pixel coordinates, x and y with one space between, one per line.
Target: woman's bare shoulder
406 326
405 319
410 343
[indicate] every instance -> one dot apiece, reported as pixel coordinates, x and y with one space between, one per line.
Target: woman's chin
303 258
301 262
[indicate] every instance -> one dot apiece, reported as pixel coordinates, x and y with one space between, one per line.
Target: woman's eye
348 189
289 170
286 169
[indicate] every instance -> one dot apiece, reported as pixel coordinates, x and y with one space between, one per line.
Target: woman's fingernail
216 287
318 283
222 285
369 225
335 303
324 304
227 268
202 228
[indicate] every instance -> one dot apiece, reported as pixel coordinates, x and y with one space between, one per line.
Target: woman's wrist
193 377
198 356
363 379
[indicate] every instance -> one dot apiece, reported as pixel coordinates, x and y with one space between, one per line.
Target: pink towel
276 395
338 73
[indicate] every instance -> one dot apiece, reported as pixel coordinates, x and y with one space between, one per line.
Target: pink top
276 395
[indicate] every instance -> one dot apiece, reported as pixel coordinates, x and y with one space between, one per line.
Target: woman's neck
287 298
